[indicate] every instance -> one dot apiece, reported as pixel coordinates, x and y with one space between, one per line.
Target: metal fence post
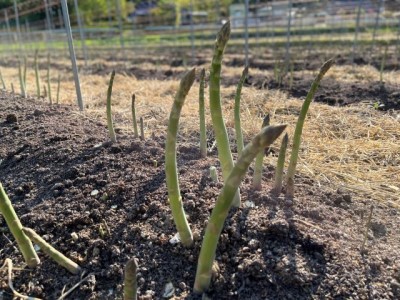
67 24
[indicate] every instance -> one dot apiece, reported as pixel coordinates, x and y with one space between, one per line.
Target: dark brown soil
63 177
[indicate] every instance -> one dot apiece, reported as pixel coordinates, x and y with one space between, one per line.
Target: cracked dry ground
62 179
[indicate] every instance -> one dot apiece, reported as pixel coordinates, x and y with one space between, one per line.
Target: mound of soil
63 177
336 93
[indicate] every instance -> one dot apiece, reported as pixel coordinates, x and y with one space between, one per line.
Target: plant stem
48 79
238 125
171 170
2 81
130 283
224 202
202 116
213 174
299 128
383 63
109 115
54 254
221 135
258 166
24 76
21 80
58 88
37 75
141 129
13 222
279 166
135 129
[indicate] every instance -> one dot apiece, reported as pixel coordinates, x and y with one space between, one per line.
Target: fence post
356 31
246 31
67 24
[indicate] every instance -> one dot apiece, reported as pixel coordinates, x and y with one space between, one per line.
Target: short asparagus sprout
291 75
37 74
57 256
13 222
171 171
48 80
21 80
58 89
135 129
213 174
383 63
279 166
238 125
109 115
221 135
130 283
224 202
12 88
2 81
24 74
299 128
202 116
258 165
141 128
367 226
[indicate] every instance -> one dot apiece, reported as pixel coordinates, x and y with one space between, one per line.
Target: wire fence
38 24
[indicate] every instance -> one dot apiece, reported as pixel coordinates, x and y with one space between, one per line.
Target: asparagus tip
223 35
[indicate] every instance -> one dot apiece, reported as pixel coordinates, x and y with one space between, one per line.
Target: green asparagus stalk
203 136
213 174
2 81
12 88
299 128
130 283
224 202
141 129
13 222
21 80
279 167
383 63
238 126
291 75
135 129
58 89
24 76
57 256
221 135
171 171
37 74
48 79
258 166
109 115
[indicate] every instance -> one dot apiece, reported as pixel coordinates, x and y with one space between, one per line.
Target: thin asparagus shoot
21 80
58 89
2 81
221 135
109 114
37 74
224 202
202 116
48 80
258 165
130 283
141 128
171 170
54 254
135 129
279 166
238 125
299 128
13 222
